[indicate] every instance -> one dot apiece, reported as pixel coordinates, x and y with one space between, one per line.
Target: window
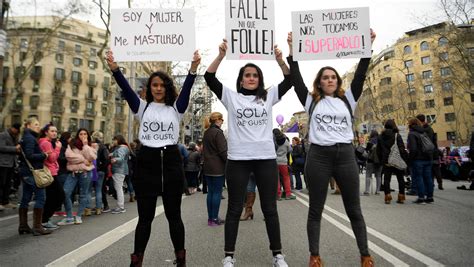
408 63
61 46
103 109
74 106
105 94
77 61
76 77
92 65
425 60
92 52
90 105
447 85
472 97
106 83
6 73
102 126
60 58
407 50
73 125
412 106
431 118
443 56
36 86
445 71
59 74
7 57
56 120
77 49
90 93
91 81
427 74
448 101
424 46
34 102
428 88
443 41
75 90
23 44
411 90
429 103
386 81
118 109
449 117
410 77
451 135
88 124
386 68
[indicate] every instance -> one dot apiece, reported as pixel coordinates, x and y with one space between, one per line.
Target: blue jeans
252 185
128 180
421 169
29 187
84 179
97 185
299 184
214 187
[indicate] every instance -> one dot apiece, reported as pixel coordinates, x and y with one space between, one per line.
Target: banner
250 29
331 34
152 34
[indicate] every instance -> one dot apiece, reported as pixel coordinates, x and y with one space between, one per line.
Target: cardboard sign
331 34
152 34
250 29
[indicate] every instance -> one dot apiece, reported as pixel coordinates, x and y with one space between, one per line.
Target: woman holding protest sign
159 164
250 116
331 153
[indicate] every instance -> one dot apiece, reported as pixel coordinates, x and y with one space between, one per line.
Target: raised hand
278 53
289 40
223 48
109 57
372 36
196 61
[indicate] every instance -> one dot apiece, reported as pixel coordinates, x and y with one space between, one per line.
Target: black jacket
102 158
414 144
34 154
384 144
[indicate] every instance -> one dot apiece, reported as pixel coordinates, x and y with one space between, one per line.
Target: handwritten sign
330 34
152 34
250 29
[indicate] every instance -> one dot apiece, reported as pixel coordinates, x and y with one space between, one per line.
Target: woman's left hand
372 35
196 61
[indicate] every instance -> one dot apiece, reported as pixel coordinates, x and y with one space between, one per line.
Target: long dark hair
261 92
44 133
120 140
170 88
318 91
64 137
76 141
390 124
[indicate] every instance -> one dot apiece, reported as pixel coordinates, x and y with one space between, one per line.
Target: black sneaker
429 200
419 201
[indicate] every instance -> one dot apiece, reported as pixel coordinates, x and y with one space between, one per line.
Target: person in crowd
32 153
185 157
331 153
385 141
54 192
9 149
283 150
249 198
159 163
102 161
65 138
131 170
191 169
454 163
250 115
421 162
119 161
214 154
436 170
373 164
361 154
80 155
298 154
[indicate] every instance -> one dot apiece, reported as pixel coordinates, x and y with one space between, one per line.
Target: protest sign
152 34
250 29
331 34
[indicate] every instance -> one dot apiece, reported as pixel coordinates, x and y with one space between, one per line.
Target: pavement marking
403 248
83 253
13 216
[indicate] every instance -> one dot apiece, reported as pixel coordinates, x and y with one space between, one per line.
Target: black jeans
54 199
266 174
6 174
387 176
336 161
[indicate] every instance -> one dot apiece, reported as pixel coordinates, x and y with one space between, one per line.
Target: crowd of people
157 165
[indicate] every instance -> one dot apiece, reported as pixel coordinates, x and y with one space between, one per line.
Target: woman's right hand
223 48
109 57
289 40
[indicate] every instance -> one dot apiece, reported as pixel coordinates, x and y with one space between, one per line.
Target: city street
439 234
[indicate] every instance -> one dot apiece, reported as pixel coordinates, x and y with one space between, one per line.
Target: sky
390 19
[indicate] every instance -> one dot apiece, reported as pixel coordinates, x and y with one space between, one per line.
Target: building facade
428 71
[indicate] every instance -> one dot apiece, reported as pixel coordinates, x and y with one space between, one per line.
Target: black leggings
387 176
237 176
336 161
54 199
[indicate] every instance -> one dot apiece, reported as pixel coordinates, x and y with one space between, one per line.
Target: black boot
180 258
136 260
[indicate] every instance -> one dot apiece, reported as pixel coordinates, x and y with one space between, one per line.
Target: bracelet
192 72
282 64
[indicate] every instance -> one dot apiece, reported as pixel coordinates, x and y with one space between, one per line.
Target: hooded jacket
414 144
385 142
282 149
80 160
52 161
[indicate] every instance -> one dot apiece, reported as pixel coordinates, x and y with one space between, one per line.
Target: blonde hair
212 119
30 121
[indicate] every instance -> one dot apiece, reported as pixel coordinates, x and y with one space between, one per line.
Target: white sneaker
78 220
279 261
228 261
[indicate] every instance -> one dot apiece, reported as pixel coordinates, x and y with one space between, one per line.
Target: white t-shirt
250 125
331 120
159 126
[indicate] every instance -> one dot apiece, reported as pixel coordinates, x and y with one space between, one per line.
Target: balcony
120 117
17 108
90 113
57 109
76 81
91 83
105 85
59 78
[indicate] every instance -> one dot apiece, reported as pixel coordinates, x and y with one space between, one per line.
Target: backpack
373 155
427 146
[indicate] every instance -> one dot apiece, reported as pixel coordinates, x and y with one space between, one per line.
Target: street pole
5 4
131 81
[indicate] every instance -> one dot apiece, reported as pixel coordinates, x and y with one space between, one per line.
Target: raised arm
132 99
295 75
183 98
210 75
359 75
285 85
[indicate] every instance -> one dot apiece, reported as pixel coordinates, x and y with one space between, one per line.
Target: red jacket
53 154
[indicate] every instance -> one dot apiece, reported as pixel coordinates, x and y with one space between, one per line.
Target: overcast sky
390 19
